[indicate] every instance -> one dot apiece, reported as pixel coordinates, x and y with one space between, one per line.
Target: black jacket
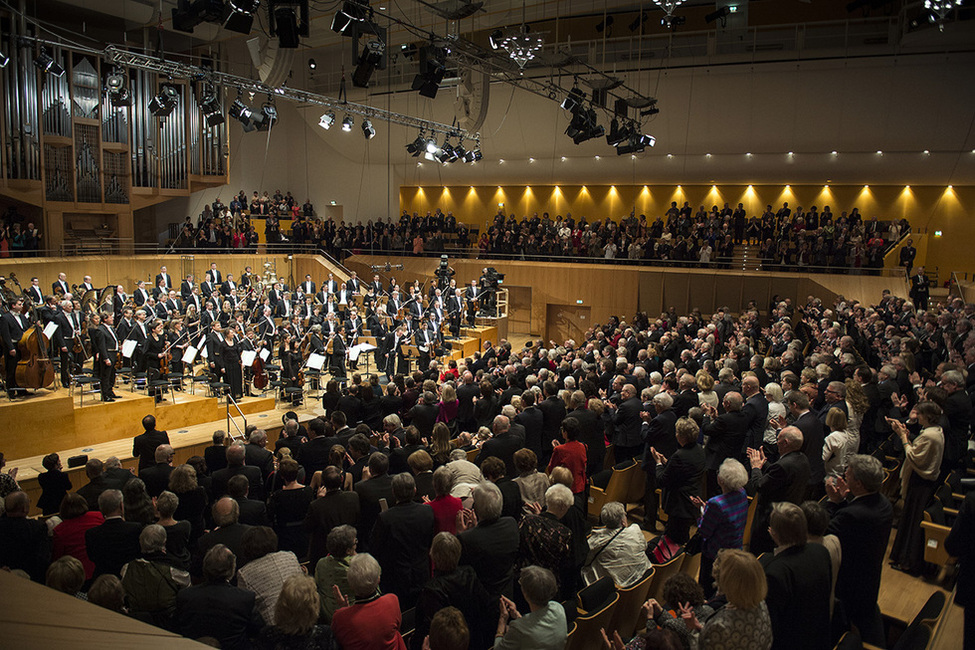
156 478
784 480
863 528
112 544
324 514
798 597
726 435
461 589
680 479
144 447
24 544
592 435
553 412
400 541
491 548
960 543
813 434
370 492
503 447
254 479
628 423
238 619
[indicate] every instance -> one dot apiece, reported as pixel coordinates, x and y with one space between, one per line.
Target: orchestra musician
13 324
307 287
160 290
395 359
140 295
139 333
284 306
425 344
455 311
155 350
194 299
207 288
108 346
87 285
213 275
213 341
353 285
474 293
164 277
60 286
376 285
34 292
266 329
229 353
186 288
330 285
178 338
64 336
339 351
118 300
291 363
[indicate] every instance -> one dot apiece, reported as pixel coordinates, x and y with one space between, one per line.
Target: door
519 310
566 322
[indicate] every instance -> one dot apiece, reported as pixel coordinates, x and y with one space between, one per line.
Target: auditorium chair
587 634
617 489
934 548
662 573
747 534
917 634
691 565
849 641
626 620
592 597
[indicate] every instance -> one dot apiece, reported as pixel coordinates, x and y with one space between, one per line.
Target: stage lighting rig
45 62
118 91
327 120
368 130
163 103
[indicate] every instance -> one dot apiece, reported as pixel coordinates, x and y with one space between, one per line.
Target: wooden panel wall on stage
623 290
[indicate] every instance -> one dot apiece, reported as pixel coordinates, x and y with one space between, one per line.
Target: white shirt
624 559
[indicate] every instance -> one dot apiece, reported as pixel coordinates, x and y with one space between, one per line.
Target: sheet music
315 361
265 354
190 355
204 353
128 347
356 350
50 329
247 357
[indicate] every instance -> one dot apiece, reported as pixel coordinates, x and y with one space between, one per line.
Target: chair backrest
934 543
587 632
691 565
932 609
625 620
747 535
915 637
849 641
592 597
637 485
662 573
472 454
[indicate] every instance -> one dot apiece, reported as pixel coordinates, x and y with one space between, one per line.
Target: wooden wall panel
700 293
676 292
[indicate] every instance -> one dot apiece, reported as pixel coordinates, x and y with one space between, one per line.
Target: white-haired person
373 622
543 628
723 517
617 550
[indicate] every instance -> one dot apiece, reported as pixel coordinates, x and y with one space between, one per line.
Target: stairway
746 258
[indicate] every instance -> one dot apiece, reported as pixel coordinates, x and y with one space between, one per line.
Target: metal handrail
230 420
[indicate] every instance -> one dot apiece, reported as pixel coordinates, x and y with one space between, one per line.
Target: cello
34 370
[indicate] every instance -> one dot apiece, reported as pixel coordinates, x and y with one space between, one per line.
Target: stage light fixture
46 62
4 60
238 15
417 147
618 134
327 120
368 130
432 71
118 92
163 103
269 115
311 64
286 27
583 126
352 11
432 150
495 39
248 118
721 14
574 99
371 58
347 123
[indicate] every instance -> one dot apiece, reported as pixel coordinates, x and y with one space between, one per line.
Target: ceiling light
367 129
327 120
833 152
879 152
311 64
370 59
347 123
926 152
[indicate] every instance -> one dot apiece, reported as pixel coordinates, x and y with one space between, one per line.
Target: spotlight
583 126
635 144
326 120
409 50
618 135
460 151
432 71
638 22
574 100
212 110
495 39
163 104
371 58
285 25
118 93
248 119
721 14
417 147
604 24
368 130
311 64
353 11
432 150
46 62
238 15
347 123
4 60
673 22
269 117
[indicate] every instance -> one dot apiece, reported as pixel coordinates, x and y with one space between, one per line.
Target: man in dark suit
958 412
115 541
531 419
627 436
228 531
502 445
325 513
660 435
861 518
960 543
308 286
94 470
553 412
313 455
489 542
756 412
235 466
196 606
466 393
252 511
686 399
799 576
24 542
213 275
813 434
680 477
186 288
401 542
378 486
144 445
116 476
784 480
256 455
726 436
156 477
13 324
423 415
591 432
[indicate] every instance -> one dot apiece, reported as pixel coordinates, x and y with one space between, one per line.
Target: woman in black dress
230 358
287 508
291 363
156 345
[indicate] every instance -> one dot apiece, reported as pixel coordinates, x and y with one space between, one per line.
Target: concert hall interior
677 297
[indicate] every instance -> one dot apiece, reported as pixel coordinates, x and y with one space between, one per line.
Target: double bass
34 370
